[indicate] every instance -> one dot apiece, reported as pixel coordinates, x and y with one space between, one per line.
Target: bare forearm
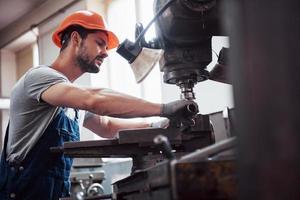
115 104
109 126
99 101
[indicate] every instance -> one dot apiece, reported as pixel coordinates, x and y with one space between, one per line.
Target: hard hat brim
113 40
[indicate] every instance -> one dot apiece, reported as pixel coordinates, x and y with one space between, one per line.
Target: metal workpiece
191 176
212 180
152 183
188 175
210 151
173 132
172 180
138 143
186 88
198 175
187 51
185 178
86 183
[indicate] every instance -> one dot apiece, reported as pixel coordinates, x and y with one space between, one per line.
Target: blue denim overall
42 175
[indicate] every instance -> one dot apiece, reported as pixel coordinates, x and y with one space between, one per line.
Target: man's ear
76 38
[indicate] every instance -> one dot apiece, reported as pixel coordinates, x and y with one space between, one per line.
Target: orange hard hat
88 20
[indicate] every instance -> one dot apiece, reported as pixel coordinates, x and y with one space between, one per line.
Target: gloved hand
180 109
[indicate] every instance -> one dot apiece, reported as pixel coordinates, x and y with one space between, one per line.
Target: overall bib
42 175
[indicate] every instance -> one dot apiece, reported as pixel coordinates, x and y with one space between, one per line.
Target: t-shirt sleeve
40 79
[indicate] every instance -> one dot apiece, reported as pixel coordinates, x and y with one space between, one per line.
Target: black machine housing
184 31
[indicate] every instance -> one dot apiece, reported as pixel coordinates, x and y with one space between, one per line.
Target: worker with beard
44 111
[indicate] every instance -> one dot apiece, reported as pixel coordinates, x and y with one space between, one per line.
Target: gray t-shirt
29 115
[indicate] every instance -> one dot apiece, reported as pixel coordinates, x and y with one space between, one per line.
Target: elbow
110 130
106 128
92 103
89 104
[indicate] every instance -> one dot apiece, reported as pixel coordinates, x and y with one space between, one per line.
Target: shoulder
43 75
39 79
44 71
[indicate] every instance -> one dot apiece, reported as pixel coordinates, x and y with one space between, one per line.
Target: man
44 111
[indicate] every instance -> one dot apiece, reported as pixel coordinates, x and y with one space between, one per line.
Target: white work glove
163 123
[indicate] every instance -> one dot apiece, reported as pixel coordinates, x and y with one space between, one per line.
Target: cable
154 18
215 53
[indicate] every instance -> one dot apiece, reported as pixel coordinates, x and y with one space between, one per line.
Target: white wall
8 72
102 78
122 22
24 59
47 50
8 78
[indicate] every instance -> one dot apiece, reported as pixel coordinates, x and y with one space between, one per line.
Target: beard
85 63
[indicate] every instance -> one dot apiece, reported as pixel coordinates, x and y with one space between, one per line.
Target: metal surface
212 180
153 183
192 176
174 132
99 148
203 154
35 13
163 143
184 32
86 183
138 143
13 10
186 88
265 50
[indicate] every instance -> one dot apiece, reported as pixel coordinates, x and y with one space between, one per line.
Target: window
120 75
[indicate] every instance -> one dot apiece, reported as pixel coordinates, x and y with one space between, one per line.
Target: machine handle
164 145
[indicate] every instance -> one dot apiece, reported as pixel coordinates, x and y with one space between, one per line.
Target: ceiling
13 10
16 16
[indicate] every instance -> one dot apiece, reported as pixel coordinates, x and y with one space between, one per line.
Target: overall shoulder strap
5 141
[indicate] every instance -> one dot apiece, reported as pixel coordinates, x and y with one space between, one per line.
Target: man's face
92 51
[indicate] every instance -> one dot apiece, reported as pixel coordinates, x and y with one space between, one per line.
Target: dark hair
66 34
